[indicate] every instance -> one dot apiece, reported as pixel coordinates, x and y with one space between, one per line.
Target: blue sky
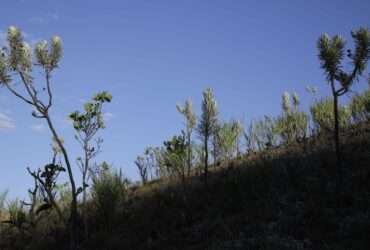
152 54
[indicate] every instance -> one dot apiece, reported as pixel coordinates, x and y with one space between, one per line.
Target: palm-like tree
331 55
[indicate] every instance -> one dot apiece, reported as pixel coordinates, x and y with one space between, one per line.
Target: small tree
143 168
87 124
148 164
191 119
207 123
17 60
331 54
175 155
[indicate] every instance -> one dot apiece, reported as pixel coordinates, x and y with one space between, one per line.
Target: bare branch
19 95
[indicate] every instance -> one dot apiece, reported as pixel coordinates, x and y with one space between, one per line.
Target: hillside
278 199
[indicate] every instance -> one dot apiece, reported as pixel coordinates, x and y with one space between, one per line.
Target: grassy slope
282 198
279 199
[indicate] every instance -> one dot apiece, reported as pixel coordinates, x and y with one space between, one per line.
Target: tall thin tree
87 124
17 60
331 55
207 123
191 120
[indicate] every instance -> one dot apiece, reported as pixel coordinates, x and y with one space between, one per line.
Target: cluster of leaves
108 193
92 118
17 215
174 156
261 134
323 117
292 124
360 107
227 136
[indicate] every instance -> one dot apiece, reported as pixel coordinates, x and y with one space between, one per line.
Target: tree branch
19 95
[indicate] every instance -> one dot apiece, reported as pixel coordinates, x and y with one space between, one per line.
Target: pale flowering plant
17 62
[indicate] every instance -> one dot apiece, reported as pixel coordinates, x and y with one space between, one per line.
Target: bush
360 107
292 126
262 134
17 216
323 115
108 193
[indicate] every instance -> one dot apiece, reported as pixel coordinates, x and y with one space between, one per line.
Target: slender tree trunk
206 159
337 145
84 184
189 153
73 216
214 150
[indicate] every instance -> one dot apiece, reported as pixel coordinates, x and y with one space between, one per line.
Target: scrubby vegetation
295 181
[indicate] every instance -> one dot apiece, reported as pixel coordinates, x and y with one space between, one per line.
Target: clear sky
152 54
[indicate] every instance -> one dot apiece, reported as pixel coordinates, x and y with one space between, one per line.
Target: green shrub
17 216
292 126
261 134
360 107
2 200
323 115
108 192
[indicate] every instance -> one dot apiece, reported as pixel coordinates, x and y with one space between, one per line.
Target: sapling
87 124
191 120
207 124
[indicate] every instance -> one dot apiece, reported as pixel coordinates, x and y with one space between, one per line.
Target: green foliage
91 120
3 196
49 56
17 216
261 134
323 116
286 105
149 164
187 111
207 124
103 97
108 193
143 168
2 199
360 107
16 64
331 53
361 38
292 124
174 155
191 120
19 56
208 119
227 139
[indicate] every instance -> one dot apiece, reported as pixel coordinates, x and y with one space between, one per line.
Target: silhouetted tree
331 54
